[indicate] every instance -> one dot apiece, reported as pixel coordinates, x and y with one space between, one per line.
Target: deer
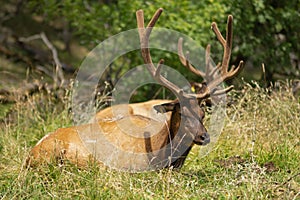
163 144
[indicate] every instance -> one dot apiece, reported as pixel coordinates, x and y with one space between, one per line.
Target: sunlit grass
256 156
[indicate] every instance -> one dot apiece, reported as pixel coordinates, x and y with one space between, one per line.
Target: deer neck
180 137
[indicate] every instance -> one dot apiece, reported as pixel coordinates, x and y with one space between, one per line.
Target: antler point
139 11
213 25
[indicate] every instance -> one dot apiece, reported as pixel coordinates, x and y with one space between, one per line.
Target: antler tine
207 58
213 77
144 34
185 61
210 70
227 45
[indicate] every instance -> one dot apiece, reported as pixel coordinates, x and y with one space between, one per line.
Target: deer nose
205 138
202 139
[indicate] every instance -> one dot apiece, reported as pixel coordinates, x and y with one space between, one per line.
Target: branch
58 69
59 76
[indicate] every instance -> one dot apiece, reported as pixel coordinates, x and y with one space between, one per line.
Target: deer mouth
203 139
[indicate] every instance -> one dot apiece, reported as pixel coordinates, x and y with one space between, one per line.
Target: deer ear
165 107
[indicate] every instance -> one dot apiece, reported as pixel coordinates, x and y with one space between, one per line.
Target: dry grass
256 157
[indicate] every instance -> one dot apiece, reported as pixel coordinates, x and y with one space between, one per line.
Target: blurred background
42 43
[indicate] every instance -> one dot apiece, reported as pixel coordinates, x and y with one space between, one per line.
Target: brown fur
127 133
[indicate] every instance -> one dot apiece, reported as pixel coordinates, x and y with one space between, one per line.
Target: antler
144 34
184 60
215 75
227 44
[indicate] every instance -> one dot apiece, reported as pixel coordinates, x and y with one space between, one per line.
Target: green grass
256 156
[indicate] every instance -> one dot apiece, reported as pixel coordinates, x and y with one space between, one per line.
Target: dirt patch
270 167
226 163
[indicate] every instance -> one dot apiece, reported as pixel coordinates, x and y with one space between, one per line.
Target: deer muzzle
203 139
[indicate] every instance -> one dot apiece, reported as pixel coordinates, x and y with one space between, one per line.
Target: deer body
67 144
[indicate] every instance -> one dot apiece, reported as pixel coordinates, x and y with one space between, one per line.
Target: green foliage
267 32
95 21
